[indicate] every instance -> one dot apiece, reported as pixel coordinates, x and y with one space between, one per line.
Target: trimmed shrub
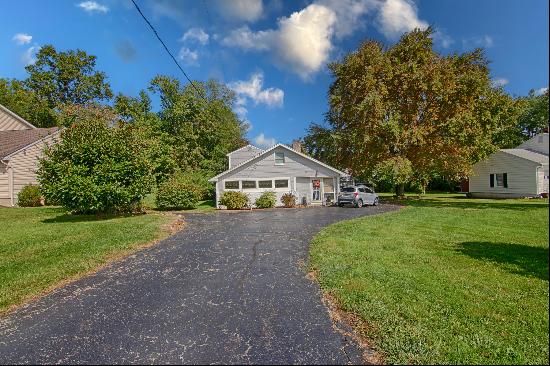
234 200
29 196
288 200
96 168
177 193
266 200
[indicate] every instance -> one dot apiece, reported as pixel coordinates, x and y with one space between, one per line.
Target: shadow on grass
463 202
84 218
517 258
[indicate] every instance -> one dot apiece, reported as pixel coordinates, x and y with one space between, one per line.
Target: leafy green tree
96 167
67 77
408 103
26 103
534 119
198 123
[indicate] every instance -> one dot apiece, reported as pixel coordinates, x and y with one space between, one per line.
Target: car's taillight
356 194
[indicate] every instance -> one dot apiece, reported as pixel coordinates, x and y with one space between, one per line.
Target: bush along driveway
229 288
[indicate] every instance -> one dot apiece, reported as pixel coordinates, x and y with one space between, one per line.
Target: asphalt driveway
229 288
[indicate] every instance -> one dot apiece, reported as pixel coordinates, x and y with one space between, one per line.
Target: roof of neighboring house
265 152
528 155
13 141
17 117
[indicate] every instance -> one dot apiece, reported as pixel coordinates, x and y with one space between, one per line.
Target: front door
316 190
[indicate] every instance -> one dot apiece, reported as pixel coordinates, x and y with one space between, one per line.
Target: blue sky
273 53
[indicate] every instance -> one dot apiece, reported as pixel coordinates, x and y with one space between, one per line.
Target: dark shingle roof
11 141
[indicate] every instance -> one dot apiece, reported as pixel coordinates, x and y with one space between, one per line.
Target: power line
166 48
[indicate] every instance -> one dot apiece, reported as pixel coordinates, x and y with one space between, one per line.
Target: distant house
280 169
21 145
519 172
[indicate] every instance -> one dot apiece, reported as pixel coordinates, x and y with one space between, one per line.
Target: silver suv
358 195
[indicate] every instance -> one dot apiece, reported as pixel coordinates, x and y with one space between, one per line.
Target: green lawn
202 206
444 280
42 247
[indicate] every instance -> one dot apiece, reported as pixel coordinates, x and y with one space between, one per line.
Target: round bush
234 200
288 200
266 200
96 168
177 194
29 196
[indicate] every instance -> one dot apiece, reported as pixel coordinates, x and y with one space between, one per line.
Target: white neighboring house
512 173
280 169
21 145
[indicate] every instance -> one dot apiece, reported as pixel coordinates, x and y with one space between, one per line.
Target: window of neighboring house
231 184
265 184
279 158
502 180
248 184
281 183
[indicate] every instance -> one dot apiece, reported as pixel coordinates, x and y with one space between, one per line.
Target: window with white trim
231 184
279 158
281 183
248 184
265 184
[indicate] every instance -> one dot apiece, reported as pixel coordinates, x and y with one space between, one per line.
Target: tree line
406 114
114 148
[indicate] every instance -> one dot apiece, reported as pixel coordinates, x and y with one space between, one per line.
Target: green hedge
266 200
29 196
234 200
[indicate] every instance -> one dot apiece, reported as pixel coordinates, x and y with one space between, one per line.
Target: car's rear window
348 189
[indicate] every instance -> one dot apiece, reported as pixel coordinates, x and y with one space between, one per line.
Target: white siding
295 166
9 122
297 169
522 176
538 143
543 179
241 155
25 163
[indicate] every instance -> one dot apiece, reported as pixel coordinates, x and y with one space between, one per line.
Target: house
512 173
21 145
281 169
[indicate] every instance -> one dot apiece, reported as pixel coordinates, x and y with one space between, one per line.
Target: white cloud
500 82
22 38
484 41
443 39
196 34
28 57
262 141
188 56
349 14
246 39
397 17
541 91
301 42
252 89
93 7
240 10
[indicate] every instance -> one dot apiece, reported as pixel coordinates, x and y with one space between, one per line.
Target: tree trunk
400 190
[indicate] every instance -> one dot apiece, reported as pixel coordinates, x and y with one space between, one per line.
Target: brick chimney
297 146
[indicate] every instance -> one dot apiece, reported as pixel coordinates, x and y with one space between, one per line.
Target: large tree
67 77
408 105
198 122
26 103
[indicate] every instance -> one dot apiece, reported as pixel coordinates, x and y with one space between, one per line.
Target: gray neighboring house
21 145
513 173
280 169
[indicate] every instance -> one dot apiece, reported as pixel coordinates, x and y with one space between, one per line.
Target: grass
43 247
444 280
